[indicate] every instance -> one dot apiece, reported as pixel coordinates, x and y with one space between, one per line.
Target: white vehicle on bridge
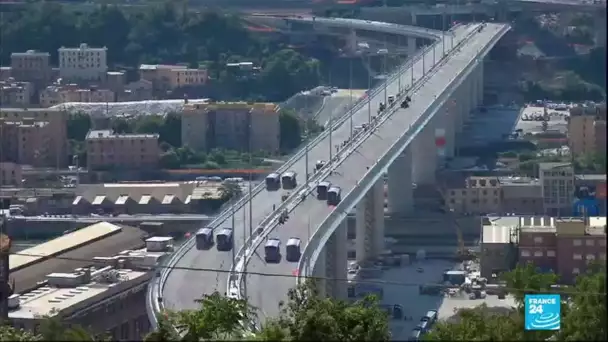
322 189
292 249
334 195
204 238
288 179
273 182
225 240
272 251
319 165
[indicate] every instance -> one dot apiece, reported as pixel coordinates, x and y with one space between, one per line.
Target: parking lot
403 290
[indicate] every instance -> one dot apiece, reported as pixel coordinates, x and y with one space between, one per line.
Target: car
420 270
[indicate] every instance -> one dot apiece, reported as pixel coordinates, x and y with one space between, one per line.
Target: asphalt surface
183 286
264 291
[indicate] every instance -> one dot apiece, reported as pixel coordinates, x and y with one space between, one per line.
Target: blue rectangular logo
543 312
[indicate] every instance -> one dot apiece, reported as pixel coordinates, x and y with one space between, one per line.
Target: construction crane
462 254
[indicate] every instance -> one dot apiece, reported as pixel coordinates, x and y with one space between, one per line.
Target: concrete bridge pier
352 41
319 273
400 194
369 240
336 263
424 156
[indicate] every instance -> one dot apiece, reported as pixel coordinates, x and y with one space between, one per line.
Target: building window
577 256
590 257
524 253
576 270
551 253
577 242
538 254
538 239
352 254
589 242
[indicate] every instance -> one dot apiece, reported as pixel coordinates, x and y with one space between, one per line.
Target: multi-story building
54 95
587 130
579 243
16 94
26 142
168 77
139 90
31 66
107 149
83 63
557 183
236 126
498 249
537 242
10 174
521 195
564 246
56 123
479 195
5 73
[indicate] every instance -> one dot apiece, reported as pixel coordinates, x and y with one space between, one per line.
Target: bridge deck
266 291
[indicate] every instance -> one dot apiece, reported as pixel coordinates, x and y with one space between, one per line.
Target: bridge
444 81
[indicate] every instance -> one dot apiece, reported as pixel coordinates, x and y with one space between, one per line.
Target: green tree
78 126
122 125
229 190
148 124
171 130
291 135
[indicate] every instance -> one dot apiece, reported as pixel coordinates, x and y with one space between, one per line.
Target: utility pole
306 151
423 57
244 262
350 94
384 73
399 71
233 255
369 89
331 121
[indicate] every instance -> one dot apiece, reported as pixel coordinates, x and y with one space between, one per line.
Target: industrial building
71 251
105 293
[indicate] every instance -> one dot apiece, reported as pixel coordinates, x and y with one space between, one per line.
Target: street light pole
331 146
350 94
384 72
369 89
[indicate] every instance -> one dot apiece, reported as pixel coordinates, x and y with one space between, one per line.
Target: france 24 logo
543 312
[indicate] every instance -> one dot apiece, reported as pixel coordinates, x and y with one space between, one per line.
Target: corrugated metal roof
61 244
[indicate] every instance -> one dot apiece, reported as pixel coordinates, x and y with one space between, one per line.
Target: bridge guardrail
157 286
236 273
321 235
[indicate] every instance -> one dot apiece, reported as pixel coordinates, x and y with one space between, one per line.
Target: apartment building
53 121
579 242
557 183
16 94
587 130
83 63
31 66
498 249
54 95
10 174
168 77
107 149
236 126
26 142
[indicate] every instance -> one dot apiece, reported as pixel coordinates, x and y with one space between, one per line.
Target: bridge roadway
182 286
265 292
